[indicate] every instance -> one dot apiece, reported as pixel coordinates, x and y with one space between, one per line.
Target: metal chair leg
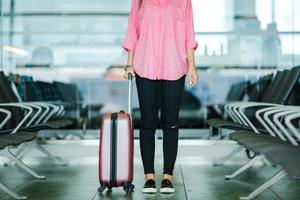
11 192
21 150
228 157
22 165
48 154
266 185
245 167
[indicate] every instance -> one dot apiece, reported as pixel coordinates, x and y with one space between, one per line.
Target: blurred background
79 43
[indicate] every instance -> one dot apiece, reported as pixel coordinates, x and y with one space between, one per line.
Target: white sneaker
149 187
167 187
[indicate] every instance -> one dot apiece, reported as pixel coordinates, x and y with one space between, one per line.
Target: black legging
168 94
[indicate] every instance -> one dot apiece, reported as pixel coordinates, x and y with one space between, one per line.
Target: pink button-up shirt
160 32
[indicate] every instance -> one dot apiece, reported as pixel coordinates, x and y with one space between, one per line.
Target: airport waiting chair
41 113
237 92
258 88
268 139
264 94
48 108
280 147
276 94
4 145
12 137
69 92
198 116
14 140
67 95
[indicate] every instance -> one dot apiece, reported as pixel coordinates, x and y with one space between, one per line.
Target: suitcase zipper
113 150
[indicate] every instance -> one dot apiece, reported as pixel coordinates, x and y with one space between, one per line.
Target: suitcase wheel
101 188
128 187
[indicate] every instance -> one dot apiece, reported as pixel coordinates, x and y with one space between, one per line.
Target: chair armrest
52 112
33 105
238 109
47 110
286 111
30 110
8 116
288 121
262 121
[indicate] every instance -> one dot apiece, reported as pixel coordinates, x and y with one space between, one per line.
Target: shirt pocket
144 19
178 26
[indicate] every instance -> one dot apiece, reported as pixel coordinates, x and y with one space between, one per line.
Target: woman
160 41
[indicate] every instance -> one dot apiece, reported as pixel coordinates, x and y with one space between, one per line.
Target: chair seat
221 123
28 136
287 156
12 139
279 152
240 134
244 134
62 122
39 127
20 137
4 143
254 141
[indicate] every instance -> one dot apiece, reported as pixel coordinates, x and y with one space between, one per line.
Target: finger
196 81
133 74
126 75
192 80
190 84
194 84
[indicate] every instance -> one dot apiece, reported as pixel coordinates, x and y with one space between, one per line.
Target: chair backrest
237 91
68 92
49 91
41 91
259 88
295 98
278 92
273 87
32 92
6 90
288 86
8 96
189 101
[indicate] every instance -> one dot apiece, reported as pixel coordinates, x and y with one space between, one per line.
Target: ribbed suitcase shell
123 154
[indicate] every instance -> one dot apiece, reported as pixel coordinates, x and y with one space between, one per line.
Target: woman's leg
148 91
171 94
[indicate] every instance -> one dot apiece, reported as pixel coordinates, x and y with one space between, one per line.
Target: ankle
149 177
167 176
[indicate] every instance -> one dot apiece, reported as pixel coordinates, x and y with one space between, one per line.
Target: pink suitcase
116 149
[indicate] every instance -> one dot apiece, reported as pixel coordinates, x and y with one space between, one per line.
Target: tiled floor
195 178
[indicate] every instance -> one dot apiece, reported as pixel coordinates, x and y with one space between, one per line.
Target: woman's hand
127 71
192 76
192 73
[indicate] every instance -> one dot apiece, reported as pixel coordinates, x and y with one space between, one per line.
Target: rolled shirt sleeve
190 41
132 33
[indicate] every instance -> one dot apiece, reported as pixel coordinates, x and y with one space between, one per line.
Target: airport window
101 25
70 114
83 35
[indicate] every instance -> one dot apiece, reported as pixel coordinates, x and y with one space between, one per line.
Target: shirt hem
161 78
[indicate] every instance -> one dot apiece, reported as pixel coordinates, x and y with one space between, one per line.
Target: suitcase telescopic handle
129 109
